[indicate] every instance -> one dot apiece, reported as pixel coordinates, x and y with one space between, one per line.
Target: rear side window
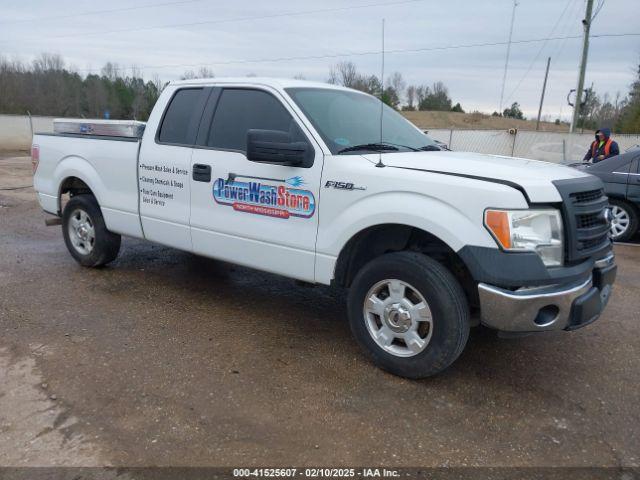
240 110
178 122
619 163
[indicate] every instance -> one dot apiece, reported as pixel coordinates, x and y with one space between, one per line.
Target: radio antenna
380 164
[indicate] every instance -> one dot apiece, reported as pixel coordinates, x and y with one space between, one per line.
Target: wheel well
380 239
626 201
72 186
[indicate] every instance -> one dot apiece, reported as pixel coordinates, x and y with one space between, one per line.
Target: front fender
423 212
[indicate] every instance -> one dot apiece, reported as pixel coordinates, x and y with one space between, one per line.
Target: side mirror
276 147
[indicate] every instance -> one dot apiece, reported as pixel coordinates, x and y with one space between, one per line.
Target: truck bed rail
107 128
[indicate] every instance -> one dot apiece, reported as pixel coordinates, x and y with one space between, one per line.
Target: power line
572 14
598 8
371 52
240 19
100 12
542 47
506 62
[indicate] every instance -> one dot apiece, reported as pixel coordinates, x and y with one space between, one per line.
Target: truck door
633 188
164 168
256 214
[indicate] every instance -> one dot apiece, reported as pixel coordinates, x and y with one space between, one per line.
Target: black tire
445 298
632 215
105 245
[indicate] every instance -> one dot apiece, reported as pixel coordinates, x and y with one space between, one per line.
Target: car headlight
535 230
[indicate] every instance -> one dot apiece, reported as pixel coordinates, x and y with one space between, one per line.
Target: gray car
621 177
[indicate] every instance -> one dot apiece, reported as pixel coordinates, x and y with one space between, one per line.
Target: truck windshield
349 122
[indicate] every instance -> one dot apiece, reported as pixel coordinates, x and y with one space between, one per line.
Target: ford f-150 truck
326 185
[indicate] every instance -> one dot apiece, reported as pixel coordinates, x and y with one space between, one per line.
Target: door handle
201 173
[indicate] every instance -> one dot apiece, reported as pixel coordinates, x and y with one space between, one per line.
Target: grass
477 121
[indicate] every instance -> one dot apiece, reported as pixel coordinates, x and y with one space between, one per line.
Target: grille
586 229
590 220
591 243
586 197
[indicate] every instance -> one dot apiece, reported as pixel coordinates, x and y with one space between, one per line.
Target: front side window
345 119
177 122
241 110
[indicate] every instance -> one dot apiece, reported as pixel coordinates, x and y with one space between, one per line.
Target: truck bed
112 177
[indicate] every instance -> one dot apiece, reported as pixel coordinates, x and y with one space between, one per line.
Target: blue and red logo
283 200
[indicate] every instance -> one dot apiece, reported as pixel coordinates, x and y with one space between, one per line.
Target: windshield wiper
413 149
376 147
430 148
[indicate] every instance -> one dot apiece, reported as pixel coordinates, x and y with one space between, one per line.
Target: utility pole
506 62
544 89
586 23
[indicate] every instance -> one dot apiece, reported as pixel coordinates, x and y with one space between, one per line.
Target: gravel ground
164 358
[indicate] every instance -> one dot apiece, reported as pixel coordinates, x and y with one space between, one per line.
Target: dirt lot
165 358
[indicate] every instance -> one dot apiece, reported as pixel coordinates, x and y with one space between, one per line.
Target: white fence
547 146
15 134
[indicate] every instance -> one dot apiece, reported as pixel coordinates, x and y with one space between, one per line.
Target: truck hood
532 176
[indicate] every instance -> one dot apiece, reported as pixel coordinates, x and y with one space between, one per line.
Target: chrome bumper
557 307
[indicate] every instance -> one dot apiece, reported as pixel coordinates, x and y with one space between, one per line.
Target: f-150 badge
281 198
342 185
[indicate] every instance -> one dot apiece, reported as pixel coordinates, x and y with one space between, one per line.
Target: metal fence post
451 139
513 146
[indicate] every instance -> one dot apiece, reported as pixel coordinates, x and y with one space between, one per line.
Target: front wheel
409 314
85 233
624 224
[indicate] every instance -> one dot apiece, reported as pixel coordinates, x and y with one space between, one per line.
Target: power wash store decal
281 198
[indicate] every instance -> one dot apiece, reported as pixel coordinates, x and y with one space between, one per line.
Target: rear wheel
85 233
624 224
409 314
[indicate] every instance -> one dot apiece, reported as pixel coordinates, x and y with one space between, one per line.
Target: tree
110 71
629 119
421 92
599 112
47 87
436 98
370 84
345 74
203 72
513 111
411 97
398 85
457 108
391 97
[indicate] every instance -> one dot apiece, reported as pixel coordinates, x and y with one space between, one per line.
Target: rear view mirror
276 147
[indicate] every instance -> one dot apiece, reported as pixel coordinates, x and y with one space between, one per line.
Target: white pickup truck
304 180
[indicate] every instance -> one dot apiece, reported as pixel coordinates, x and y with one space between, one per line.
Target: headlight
537 231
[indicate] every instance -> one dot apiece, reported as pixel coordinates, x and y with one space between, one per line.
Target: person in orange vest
603 147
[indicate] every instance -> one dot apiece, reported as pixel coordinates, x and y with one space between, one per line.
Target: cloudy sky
241 37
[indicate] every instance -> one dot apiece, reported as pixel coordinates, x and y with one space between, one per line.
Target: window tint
182 110
346 118
241 110
619 163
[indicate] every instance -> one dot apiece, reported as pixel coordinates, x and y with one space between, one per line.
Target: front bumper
556 307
